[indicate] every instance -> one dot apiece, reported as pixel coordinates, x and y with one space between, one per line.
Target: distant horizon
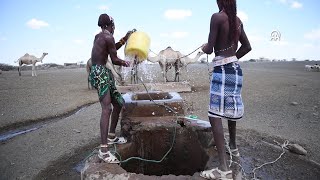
258 60
203 56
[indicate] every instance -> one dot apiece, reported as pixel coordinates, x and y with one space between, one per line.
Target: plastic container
138 46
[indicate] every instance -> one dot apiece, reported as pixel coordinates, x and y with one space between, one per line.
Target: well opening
186 157
153 95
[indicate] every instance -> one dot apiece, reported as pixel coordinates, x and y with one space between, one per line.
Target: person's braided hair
230 8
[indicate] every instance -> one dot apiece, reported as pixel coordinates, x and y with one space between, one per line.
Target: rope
230 157
153 52
95 151
283 147
191 52
208 68
179 57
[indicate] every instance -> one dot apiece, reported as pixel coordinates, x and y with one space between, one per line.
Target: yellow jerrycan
138 46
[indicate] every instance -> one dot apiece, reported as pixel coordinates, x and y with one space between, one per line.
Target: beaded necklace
221 50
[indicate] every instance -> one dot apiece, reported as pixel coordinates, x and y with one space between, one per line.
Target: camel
315 67
168 58
30 59
117 76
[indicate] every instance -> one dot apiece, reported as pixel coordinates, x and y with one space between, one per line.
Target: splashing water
144 73
126 71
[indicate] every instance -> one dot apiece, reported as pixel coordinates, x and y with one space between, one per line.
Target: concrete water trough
154 103
164 87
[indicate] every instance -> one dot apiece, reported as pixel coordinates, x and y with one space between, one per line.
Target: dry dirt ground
282 102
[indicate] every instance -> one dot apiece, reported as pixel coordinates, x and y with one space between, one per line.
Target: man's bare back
104 46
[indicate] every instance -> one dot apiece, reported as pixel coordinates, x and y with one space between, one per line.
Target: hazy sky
65 28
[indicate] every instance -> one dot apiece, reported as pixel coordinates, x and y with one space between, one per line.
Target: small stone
296 148
76 130
294 103
153 113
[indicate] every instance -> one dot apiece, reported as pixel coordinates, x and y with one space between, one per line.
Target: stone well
153 104
155 128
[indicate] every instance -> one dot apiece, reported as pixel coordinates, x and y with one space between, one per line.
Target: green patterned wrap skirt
102 79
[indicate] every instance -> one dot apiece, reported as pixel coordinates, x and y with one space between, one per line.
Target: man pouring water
102 79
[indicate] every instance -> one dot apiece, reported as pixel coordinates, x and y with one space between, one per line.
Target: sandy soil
282 102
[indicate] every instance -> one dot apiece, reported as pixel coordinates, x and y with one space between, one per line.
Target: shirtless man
226 30
102 79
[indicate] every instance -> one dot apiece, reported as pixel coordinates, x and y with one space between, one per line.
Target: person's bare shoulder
96 36
108 37
217 17
239 20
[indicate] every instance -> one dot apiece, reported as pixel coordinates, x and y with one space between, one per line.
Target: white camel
117 76
30 59
167 58
308 67
315 67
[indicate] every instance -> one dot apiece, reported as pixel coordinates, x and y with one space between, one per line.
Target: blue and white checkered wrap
225 92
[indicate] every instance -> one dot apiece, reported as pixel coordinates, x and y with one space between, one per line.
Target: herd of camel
166 58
